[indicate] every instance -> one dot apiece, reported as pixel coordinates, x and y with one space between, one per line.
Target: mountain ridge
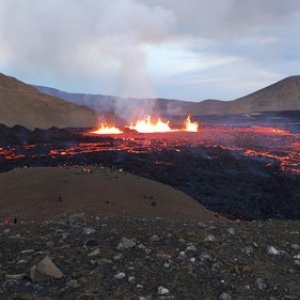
283 95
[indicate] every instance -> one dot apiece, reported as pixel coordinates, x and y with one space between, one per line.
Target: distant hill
24 105
281 96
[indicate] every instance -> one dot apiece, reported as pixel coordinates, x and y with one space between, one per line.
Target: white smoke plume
80 38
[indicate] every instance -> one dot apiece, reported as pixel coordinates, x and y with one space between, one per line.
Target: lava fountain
107 129
149 125
191 126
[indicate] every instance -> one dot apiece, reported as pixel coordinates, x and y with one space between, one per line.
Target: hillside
23 105
281 96
39 194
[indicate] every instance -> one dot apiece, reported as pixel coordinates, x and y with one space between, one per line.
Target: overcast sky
192 49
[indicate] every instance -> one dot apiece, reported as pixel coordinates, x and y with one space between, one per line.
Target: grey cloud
70 36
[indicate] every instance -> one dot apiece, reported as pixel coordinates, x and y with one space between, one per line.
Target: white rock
44 270
273 251
27 251
120 275
182 254
210 238
131 279
162 291
191 248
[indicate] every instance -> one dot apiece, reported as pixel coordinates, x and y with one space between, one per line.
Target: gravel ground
101 258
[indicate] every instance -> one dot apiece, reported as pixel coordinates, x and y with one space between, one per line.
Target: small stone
202 225
205 257
182 254
248 250
154 238
139 286
118 256
131 279
120 275
50 244
210 238
22 262
6 231
181 241
163 256
260 284
166 265
15 276
141 246
88 231
231 231
94 253
162 291
192 260
73 284
126 243
225 296
191 248
27 251
295 247
255 244
297 262
44 270
273 251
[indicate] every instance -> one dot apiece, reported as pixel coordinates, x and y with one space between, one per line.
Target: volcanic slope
280 96
51 193
24 105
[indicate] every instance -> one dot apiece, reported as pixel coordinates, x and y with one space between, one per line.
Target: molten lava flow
151 126
107 129
191 126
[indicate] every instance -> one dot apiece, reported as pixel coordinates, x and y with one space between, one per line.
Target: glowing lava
191 126
107 129
151 126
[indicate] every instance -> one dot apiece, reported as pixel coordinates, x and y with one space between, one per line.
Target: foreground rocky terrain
100 258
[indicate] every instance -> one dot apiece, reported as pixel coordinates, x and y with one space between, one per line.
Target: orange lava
191 126
150 125
107 129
